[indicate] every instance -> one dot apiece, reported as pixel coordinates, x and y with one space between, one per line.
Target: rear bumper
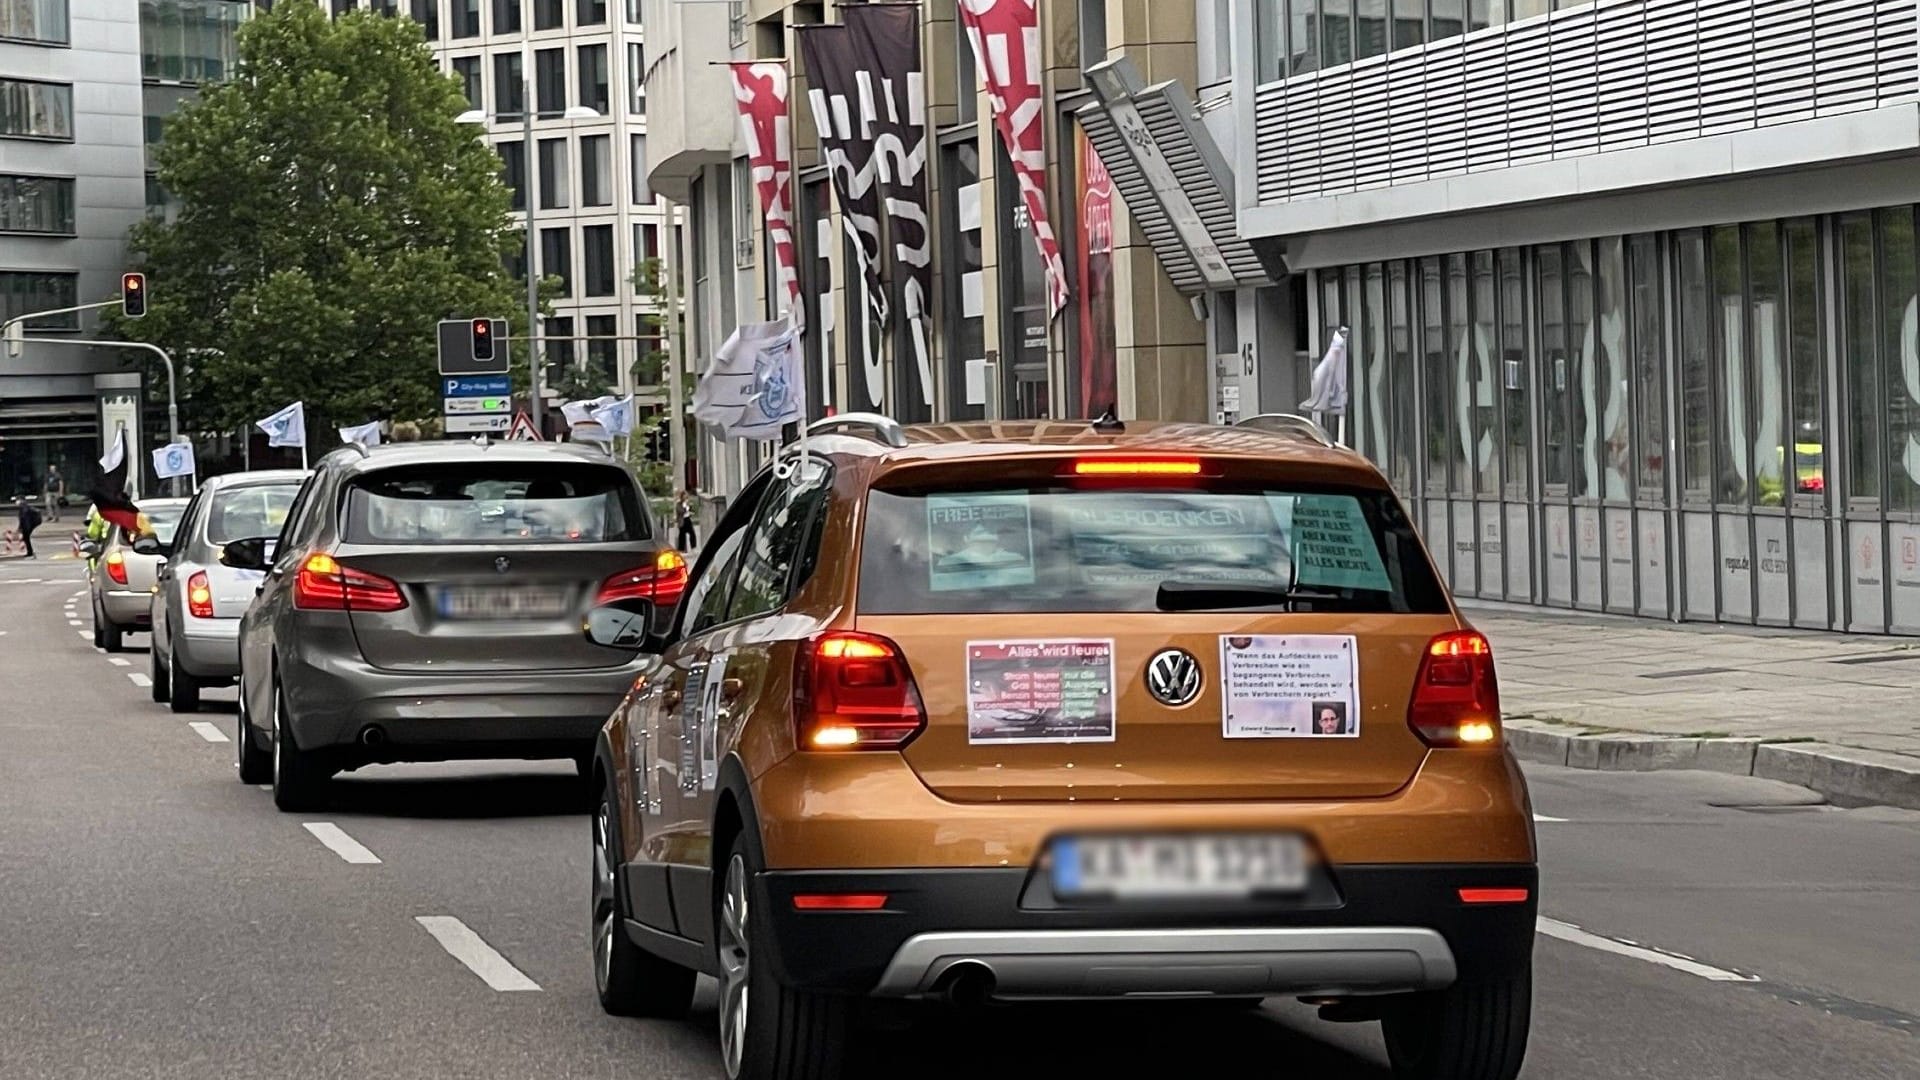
208 648
127 609
333 702
1361 930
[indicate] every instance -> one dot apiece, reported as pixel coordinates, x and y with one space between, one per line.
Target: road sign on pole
523 430
478 423
460 348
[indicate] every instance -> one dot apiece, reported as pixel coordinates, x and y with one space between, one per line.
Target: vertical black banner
893 114
833 92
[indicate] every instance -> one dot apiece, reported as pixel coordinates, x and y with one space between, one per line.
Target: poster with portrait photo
980 541
1292 686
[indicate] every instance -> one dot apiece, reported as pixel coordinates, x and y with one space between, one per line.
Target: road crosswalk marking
480 958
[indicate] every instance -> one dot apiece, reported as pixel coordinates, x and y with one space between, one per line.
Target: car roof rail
884 429
1287 423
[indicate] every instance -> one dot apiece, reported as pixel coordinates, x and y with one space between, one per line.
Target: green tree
331 213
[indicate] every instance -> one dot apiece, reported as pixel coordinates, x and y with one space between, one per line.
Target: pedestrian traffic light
133 295
483 339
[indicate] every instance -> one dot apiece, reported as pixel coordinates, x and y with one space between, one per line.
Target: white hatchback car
199 601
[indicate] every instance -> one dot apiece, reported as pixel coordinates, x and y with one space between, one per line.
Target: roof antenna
1109 420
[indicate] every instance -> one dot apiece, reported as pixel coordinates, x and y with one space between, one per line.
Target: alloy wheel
735 968
605 910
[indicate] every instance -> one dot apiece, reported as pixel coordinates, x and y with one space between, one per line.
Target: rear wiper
1204 595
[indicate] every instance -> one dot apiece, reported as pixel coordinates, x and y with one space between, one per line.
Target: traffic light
483 339
659 444
133 295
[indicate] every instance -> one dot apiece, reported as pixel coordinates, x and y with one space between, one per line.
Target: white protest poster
1292 686
1054 691
1333 545
980 541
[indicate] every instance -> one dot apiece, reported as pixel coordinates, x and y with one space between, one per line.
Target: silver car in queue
121 579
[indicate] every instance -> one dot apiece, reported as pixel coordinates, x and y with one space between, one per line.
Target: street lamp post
530 161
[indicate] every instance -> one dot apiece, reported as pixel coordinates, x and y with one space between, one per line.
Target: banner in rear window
1039 692
1332 542
979 541
1289 686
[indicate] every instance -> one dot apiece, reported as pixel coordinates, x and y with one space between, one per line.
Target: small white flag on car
288 427
367 434
756 384
616 416
1329 387
116 455
173 459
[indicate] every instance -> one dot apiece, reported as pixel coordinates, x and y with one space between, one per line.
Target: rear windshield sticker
1039 692
1294 686
979 541
1332 542
1192 537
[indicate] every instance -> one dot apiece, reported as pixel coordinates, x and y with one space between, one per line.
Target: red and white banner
1006 48
760 89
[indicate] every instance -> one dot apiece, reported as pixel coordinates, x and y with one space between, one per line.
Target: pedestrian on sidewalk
56 491
29 521
683 512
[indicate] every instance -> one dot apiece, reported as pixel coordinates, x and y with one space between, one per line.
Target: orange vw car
1018 712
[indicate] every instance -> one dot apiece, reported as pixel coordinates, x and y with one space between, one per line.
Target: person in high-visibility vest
97 529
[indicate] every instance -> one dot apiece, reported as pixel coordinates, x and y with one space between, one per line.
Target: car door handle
730 688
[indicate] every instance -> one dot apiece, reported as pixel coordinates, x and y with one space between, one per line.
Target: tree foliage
331 213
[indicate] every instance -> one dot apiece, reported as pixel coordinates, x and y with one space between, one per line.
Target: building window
1584 464
1409 23
466 18
1303 38
636 12
637 171
967 75
1527 9
427 14
1731 443
1023 309
603 347
386 7
1696 366
560 347
1609 442
1554 362
509 84
1516 418
596 242
555 180
1479 392
1808 385
556 258
550 80
1767 343
341 7
1093 32
506 16
1484 13
467 68
1336 32
1435 364
1369 28
593 78
1368 352
22 291
549 14
646 243
1449 18
1649 356
596 170
637 79
591 13
746 221
36 204
36 110
1403 439
1900 371
35 20
736 24
157 104
513 171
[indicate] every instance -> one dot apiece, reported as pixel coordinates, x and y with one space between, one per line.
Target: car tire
298 778
256 765
630 981
183 690
1470 1031
786 1034
100 629
112 638
157 675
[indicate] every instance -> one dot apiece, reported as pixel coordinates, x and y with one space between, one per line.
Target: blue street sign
476 386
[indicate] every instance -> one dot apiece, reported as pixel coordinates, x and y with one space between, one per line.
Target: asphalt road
159 919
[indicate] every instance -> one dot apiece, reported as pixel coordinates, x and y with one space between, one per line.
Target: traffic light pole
536 396
173 398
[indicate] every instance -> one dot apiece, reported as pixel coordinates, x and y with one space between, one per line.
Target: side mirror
150 545
90 548
249 554
625 625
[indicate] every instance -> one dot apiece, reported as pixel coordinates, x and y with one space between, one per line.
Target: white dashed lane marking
118 662
140 679
1572 934
1543 817
208 731
480 958
341 844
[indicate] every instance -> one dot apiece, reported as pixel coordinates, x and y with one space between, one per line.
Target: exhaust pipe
372 735
967 985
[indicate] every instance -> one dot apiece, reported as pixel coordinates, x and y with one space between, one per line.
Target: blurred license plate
521 603
1179 866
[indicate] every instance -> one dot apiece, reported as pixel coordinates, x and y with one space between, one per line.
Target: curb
1845 775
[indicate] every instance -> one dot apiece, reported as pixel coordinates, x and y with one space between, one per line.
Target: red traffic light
133 295
483 339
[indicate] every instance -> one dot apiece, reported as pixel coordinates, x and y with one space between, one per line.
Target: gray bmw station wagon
428 601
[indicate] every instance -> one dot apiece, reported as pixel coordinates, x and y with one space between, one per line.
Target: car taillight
323 584
661 582
116 565
200 596
854 691
1456 698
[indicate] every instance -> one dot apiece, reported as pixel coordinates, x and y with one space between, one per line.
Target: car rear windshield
163 519
1057 549
496 503
242 513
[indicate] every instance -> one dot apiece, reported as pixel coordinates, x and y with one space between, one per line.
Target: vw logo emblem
502 564
1173 677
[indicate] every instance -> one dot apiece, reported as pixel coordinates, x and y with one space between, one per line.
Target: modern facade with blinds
1630 287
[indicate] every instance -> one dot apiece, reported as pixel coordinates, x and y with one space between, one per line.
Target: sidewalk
1733 699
